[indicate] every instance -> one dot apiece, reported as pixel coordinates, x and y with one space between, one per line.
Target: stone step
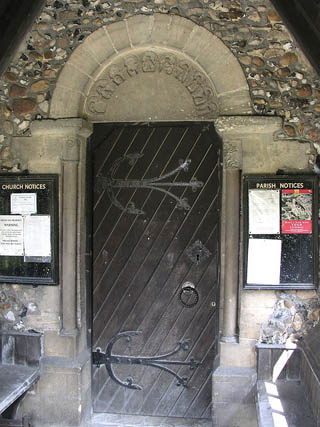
113 420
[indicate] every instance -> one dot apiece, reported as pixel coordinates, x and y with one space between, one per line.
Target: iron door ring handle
189 291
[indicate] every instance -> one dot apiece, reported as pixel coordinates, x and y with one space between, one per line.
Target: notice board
280 232
29 229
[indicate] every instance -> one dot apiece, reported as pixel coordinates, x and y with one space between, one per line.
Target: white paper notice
264 211
37 235
264 261
23 203
11 235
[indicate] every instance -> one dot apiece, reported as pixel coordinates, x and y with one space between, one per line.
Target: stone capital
64 128
232 154
241 126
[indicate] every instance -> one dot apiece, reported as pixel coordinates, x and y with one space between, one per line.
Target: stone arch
191 74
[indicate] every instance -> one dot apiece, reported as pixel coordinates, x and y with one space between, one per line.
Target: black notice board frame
297 270
31 270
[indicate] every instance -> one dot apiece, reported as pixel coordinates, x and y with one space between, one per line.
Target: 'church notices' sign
280 231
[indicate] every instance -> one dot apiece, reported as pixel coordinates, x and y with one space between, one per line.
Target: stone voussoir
73 78
179 31
198 41
99 45
160 30
139 29
76 59
118 35
65 103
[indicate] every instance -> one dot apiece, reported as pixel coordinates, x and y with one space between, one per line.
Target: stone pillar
70 166
231 262
59 146
62 141
248 147
231 207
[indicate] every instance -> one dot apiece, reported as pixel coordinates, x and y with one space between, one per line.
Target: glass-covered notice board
29 229
280 232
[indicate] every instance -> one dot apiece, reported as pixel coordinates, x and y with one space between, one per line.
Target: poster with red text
296 211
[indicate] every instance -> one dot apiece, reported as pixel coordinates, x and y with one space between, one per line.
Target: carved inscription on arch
191 78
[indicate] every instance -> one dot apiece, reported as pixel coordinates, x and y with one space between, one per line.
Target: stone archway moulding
146 68
167 66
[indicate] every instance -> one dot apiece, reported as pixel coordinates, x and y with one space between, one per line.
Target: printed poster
264 261
37 235
11 235
23 203
296 211
264 211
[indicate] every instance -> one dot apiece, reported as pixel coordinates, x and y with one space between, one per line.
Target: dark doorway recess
156 237
16 19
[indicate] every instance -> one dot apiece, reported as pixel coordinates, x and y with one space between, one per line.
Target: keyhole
198 258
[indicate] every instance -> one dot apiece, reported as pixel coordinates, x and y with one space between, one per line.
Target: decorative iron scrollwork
110 183
159 362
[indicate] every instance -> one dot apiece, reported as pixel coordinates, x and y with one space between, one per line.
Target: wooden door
156 232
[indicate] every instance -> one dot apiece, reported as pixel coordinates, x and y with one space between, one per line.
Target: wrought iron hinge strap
156 183
159 362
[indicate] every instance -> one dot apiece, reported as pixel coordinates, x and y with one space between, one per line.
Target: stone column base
233 395
62 396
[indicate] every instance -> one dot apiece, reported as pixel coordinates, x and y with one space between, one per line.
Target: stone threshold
112 420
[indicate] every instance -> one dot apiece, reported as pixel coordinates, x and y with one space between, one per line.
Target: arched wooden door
155 268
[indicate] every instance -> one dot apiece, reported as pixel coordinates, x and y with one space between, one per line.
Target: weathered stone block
139 29
119 35
98 45
87 67
199 40
161 25
179 31
234 102
73 79
57 345
238 355
65 102
66 387
233 391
